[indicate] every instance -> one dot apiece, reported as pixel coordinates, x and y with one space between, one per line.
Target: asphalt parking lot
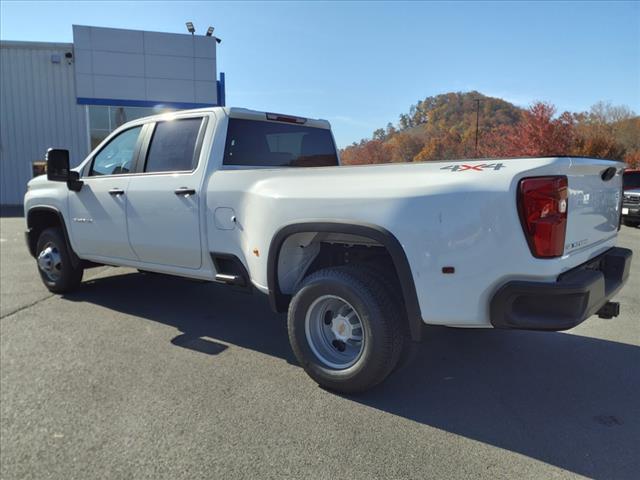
145 376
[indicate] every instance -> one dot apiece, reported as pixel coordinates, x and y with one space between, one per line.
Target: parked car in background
631 198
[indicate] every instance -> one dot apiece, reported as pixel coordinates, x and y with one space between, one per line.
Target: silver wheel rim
50 262
334 332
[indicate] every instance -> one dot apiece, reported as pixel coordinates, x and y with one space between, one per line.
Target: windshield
631 180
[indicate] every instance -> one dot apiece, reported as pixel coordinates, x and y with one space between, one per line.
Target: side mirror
57 165
58 169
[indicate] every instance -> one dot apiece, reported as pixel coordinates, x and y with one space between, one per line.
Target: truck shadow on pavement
563 399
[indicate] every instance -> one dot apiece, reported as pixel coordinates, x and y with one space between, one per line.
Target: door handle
184 191
116 191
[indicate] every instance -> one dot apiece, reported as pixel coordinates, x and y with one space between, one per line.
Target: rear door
595 194
98 211
163 212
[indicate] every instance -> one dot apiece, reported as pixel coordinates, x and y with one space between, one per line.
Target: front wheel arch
43 217
280 301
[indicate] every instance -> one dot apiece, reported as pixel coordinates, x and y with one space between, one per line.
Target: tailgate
595 193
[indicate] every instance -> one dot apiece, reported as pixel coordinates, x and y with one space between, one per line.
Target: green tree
379 134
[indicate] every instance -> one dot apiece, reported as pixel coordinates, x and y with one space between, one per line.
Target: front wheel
345 329
57 271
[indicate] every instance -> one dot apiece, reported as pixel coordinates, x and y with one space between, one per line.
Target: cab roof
247 114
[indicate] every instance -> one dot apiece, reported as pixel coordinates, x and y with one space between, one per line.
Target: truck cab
141 194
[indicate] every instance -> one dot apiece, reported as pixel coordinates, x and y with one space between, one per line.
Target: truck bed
450 213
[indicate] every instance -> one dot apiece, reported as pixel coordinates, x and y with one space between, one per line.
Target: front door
163 212
98 211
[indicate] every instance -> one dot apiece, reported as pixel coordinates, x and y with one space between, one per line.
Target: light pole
477 100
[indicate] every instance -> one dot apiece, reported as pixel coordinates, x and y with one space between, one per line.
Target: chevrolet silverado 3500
361 257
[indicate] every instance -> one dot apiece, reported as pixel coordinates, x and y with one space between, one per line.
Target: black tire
386 278
391 285
66 277
378 313
631 223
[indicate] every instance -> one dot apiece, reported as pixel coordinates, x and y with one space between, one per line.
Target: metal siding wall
38 110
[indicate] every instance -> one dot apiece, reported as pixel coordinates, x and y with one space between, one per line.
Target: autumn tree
632 159
599 145
450 145
628 133
538 133
373 151
404 147
606 131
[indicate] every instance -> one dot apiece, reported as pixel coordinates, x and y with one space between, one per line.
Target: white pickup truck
361 257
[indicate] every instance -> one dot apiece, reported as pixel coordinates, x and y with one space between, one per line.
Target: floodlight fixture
190 27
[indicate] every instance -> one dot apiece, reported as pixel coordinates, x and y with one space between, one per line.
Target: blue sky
361 64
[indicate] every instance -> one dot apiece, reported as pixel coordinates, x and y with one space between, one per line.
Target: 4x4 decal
462 167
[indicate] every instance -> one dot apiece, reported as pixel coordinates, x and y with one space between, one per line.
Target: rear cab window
256 143
175 146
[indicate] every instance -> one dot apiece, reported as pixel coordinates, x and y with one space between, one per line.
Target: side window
173 146
272 144
117 156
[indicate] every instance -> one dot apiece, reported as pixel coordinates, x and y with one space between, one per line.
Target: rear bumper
574 297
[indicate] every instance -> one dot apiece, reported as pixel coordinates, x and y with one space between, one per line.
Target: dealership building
72 95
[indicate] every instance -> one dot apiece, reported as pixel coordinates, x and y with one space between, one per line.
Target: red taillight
542 203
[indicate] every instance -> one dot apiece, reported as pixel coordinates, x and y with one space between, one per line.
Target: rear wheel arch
280 301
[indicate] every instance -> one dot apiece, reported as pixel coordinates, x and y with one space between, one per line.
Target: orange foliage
404 147
373 151
537 134
600 146
443 127
449 145
632 159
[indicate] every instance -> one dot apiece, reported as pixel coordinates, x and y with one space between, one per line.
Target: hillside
444 127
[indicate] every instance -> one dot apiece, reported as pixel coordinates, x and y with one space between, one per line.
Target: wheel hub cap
334 332
50 262
341 328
